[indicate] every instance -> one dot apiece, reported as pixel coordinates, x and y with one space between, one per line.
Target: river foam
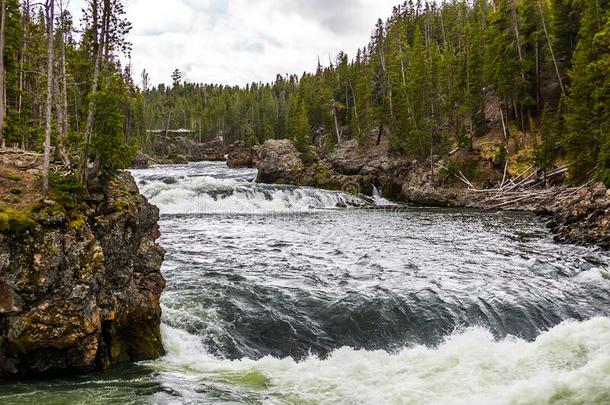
566 365
182 191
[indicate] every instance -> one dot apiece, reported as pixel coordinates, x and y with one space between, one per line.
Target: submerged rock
82 291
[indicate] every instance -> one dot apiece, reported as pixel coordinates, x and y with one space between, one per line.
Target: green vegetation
426 79
92 114
66 190
13 176
430 80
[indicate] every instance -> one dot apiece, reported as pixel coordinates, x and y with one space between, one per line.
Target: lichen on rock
81 290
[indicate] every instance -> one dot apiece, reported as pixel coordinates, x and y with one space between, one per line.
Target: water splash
182 190
567 364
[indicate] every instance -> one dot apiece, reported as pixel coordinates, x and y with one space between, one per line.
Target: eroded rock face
584 218
182 150
238 155
82 293
279 162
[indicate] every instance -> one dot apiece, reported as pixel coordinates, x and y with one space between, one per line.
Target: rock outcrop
279 162
197 152
140 161
584 218
80 290
238 155
180 150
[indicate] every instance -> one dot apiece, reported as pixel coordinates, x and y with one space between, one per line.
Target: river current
288 295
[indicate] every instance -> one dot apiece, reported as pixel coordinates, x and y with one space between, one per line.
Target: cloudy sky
242 41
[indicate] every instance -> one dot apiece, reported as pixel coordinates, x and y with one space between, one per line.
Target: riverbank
465 178
80 279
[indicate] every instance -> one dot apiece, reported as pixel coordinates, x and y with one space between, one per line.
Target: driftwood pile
528 188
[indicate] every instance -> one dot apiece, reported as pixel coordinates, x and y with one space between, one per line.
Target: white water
379 200
180 193
433 298
519 281
569 364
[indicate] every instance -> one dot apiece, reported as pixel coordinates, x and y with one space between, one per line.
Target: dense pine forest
425 83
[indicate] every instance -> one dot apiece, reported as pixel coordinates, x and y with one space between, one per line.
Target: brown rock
77 297
240 156
279 161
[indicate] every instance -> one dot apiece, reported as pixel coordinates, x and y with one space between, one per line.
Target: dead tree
2 73
50 15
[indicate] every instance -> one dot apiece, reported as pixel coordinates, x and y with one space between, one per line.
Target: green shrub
66 190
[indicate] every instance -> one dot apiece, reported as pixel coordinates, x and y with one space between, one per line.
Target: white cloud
243 41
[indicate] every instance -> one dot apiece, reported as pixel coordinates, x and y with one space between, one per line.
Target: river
287 295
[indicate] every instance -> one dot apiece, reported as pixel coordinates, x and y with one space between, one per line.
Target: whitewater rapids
570 364
289 295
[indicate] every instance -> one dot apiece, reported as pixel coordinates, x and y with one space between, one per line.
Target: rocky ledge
80 288
584 217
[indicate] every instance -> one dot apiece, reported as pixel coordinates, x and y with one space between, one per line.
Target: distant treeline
423 79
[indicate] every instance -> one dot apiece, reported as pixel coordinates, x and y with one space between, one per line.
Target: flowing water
280 294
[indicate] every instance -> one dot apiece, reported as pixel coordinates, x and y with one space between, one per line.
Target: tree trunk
355 107
24 47
517 37
2 73
166 134
99 41
546 34
50 11
61 97
334 106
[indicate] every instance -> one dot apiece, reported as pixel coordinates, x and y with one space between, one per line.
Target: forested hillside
65 90
428 81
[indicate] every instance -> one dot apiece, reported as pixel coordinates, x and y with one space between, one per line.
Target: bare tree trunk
24 46
2 73
99 39
60 150
61 96
355 107
503 124
64 81
548 39
166 134
334 106
50 11
517 37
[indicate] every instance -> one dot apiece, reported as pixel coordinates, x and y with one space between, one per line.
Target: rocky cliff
80 287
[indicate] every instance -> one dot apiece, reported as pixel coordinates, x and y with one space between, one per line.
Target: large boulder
279 161
81 291
140 161
348 159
